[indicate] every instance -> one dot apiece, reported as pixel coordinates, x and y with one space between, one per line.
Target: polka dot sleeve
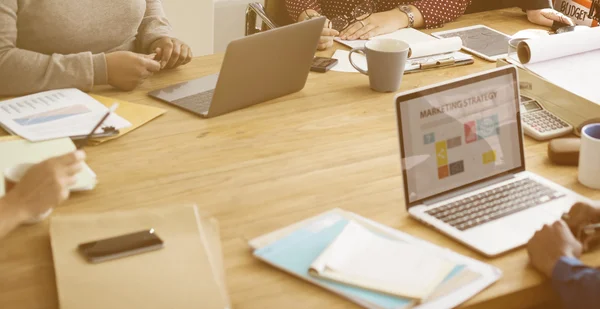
437 12
296 7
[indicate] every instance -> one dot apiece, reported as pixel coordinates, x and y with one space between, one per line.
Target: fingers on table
349 32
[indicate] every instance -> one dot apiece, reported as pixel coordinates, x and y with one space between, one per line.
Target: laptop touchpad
186 89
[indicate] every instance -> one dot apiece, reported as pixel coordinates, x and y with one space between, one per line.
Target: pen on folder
84 142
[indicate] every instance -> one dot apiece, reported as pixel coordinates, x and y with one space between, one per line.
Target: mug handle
360 50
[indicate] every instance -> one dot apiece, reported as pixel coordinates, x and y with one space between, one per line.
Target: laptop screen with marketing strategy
460 133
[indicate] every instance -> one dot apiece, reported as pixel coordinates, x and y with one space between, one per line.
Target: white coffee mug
12 176
589 156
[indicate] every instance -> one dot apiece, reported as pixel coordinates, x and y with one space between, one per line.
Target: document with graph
55 114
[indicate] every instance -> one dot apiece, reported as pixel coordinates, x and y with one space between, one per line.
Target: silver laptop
255 69
463 163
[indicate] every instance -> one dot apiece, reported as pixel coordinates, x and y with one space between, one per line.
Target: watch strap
408 11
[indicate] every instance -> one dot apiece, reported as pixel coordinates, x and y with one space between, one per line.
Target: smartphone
121 246
323 64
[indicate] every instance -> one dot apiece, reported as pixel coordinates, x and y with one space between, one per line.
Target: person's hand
580 215
545 17
376 24
45 185
551 243
171 52
327 37
127 70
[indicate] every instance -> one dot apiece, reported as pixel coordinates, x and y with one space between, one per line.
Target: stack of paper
362 258
568 60
330 250
424 49
55 114
14 151
186 273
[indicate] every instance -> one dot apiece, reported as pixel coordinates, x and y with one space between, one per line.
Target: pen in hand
84 142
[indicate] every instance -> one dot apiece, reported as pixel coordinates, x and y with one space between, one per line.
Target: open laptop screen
459 133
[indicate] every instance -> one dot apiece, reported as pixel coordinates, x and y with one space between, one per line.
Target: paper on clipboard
421 44
412 65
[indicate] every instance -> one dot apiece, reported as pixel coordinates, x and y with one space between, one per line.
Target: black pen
84 142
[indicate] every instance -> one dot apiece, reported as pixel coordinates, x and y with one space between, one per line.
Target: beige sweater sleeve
154 26
23 71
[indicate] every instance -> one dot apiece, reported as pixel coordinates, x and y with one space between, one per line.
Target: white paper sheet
362 258
55 114
360 60
570 60
561 45
421 44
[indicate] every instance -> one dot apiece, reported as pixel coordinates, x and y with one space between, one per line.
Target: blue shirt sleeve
577 285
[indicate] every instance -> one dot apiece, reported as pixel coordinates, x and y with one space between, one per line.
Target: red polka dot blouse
435 12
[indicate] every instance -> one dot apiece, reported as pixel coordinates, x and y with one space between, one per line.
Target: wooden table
333 144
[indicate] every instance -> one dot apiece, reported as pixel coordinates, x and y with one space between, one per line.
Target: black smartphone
121 246
323 64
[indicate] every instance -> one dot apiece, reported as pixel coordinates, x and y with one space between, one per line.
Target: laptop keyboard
197 103
494 204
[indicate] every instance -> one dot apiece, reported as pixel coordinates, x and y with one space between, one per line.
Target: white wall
230 21
193 23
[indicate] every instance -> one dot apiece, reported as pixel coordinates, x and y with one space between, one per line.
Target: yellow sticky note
488 157
441 152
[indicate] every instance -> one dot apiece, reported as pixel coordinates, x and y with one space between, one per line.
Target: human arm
298 9
313 10
44 186
576 284
155 36
10 217
427 14
540 12
23 71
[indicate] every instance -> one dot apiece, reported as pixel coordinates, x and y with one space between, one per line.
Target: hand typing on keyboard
550 244
580 218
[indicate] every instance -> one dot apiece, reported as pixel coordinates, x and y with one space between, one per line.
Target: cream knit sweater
52 44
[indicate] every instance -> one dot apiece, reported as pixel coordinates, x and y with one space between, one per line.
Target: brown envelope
178 276
137 114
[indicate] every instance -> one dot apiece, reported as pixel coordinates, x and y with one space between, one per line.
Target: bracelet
408 11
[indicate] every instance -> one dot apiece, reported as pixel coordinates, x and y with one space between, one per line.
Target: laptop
255 69
463 163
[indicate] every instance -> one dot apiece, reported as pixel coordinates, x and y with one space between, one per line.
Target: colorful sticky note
489 157
441 151
470 132
488 126
429 138
443 172
457 167
454 142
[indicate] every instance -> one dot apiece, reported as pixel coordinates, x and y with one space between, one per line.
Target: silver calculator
539 123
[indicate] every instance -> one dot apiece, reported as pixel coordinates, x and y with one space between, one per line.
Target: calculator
539 123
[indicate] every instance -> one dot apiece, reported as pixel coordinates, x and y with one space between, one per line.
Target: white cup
589 156
12 176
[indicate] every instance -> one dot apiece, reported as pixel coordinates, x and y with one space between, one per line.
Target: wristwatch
409 13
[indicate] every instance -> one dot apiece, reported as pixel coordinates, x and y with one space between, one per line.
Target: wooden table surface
333 144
